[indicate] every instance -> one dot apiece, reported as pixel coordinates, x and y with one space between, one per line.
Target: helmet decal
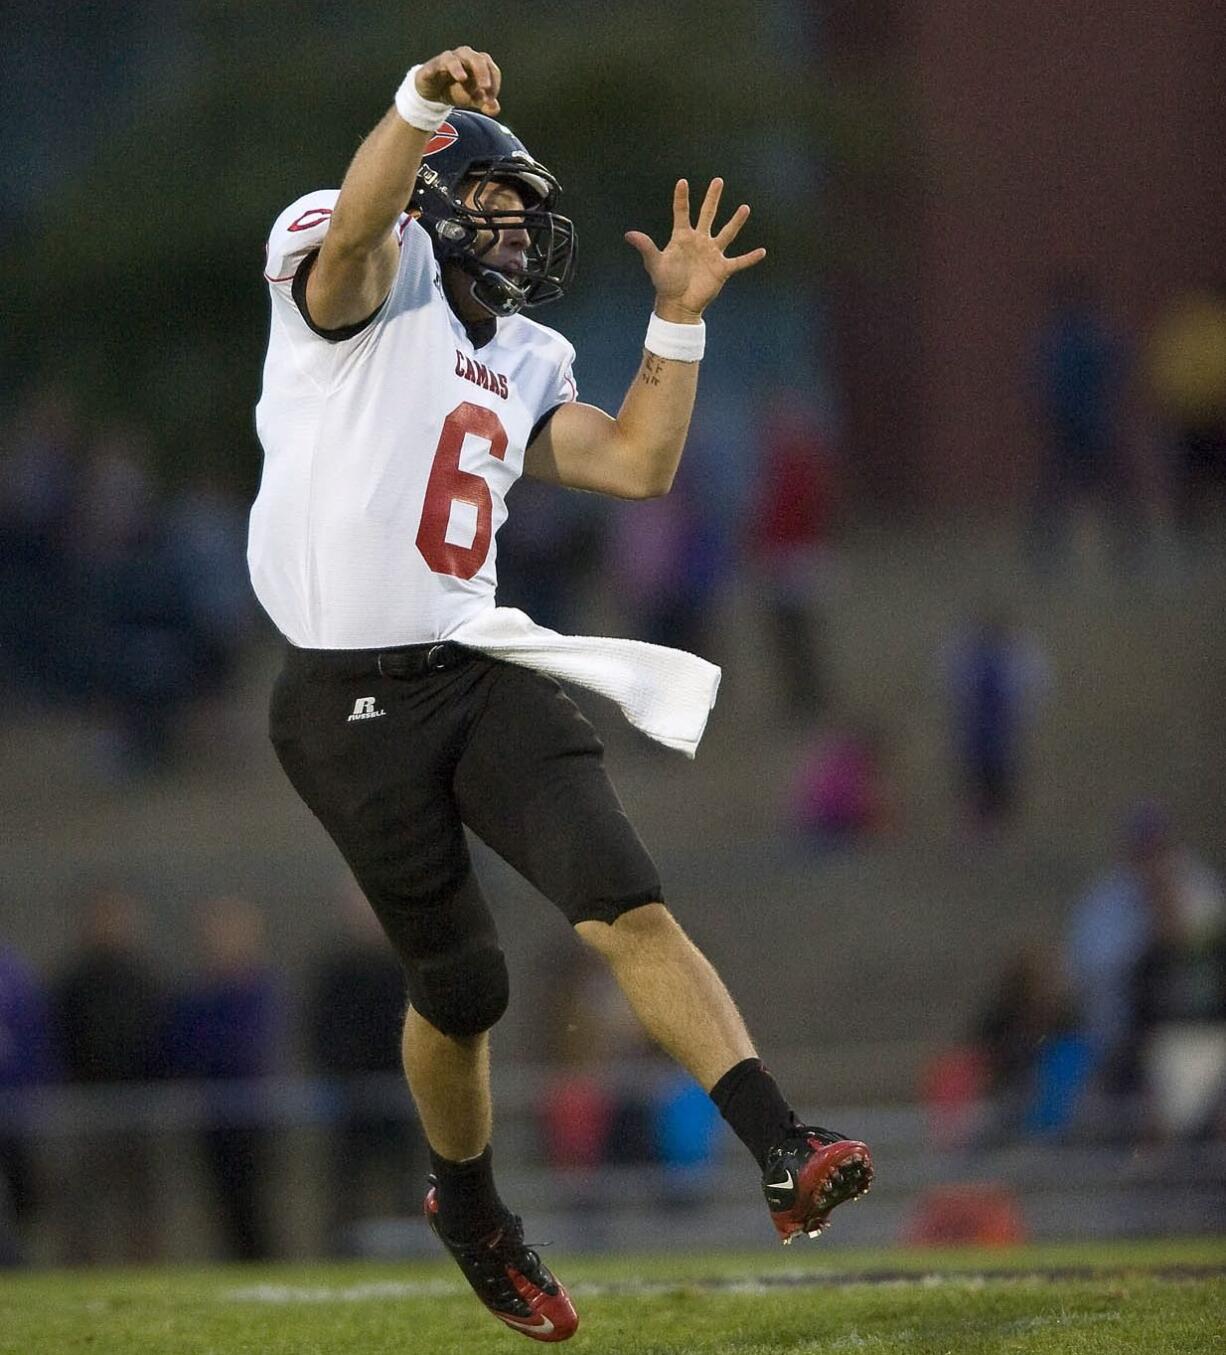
443 138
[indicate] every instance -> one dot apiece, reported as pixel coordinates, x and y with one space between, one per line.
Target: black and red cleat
808 1174
510 1279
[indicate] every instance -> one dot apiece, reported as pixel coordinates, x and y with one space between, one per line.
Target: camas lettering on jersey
480 375
388 455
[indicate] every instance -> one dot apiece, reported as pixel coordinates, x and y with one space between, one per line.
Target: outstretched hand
690 271
463 78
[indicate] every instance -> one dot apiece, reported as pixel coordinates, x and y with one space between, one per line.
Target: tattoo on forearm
652 371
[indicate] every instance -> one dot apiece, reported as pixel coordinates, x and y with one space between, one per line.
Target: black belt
404 661
413 660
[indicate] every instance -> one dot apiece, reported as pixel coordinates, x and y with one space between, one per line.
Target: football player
405 389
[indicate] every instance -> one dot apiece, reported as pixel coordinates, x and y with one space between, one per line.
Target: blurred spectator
1178 977
206 531
25 1063
668 556
952 1089
1035 1058
37 473
133 656
11 1245
356 1007
138 610
1187 374
687 1134
650 1115
840 793
585 1120
1178 999
225 1027
108 1011
548 549
995 677
789 549
1078 373
1157 889
1215 1117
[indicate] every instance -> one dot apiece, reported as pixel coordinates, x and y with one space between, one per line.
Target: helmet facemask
467 234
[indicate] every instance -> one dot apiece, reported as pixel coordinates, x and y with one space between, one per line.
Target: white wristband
681 343
424 114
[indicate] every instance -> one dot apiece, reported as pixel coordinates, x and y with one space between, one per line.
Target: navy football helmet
470 148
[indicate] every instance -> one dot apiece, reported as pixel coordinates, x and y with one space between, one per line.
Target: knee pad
461 994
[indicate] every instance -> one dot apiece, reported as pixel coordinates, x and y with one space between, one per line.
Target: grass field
1156 1298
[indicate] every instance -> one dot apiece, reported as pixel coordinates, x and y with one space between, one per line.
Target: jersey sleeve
296 237
562 391
566 391
297 232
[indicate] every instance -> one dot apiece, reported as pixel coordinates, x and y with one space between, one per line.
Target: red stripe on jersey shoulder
313 216
321 213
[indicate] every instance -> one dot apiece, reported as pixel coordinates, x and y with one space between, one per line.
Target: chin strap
501 296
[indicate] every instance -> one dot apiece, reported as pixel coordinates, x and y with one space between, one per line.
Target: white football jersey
388 455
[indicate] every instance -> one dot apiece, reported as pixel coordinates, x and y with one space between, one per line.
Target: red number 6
449 483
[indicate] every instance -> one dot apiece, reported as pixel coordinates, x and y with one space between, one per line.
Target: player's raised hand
463 78
690 271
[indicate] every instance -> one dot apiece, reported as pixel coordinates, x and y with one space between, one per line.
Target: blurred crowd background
951 518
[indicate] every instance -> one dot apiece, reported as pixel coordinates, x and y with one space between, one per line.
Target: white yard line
749 1284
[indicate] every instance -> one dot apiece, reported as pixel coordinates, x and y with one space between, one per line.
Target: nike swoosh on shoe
540 1328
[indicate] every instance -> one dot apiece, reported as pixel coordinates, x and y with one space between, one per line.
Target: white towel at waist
666 693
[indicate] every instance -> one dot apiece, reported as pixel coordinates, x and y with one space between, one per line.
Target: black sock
750 1100
468 1203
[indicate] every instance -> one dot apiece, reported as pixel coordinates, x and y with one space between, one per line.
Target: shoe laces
798 1138
489 1258
815 1131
